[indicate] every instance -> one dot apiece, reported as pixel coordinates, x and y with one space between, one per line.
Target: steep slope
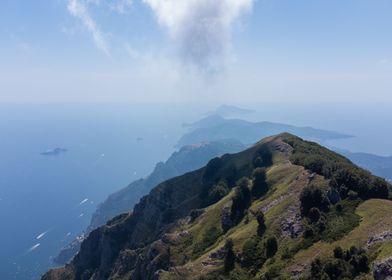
256 214
186 159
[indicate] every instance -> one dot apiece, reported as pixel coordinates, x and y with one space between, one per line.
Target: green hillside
284 208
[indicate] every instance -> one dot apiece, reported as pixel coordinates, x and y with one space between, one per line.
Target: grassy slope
286 181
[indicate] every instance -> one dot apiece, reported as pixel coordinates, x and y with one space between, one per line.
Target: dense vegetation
346 264
344 176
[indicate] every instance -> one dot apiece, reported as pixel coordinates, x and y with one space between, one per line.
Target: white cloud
79 9
201 28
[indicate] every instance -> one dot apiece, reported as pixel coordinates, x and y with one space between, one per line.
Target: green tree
241 201
229 262
260 186
261 227
271 247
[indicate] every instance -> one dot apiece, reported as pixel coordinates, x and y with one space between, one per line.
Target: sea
47 200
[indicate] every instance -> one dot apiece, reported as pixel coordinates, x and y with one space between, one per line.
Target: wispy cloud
201 28
120 6
24 47
79 9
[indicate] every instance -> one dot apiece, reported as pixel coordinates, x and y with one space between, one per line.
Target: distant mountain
187 159
379 165
215 128
284 208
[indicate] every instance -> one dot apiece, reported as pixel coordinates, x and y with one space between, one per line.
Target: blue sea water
108 147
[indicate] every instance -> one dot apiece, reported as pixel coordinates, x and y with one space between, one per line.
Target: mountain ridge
183 229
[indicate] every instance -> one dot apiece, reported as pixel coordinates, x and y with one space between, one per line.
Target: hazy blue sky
192 50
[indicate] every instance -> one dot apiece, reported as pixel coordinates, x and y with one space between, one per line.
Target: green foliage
256 251
261 227
239 274
241 201
333 225
209 238
262 158
253 254
313 197
314 214
340 222
343 174
273 273
271 247
229 262
343 265
212 169
217 192
260 186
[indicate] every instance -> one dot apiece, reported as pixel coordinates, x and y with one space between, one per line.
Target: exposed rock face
292 225
188 158
218 254
382 237
382 270
156 258
69 251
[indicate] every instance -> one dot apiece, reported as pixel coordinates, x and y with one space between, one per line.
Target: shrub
229 262
338 252
263 158
344 265
261 227
260 186
241 202
313 196
217 192
343 174
209 238
314 215
271 246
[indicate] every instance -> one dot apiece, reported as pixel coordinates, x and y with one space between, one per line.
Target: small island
54 152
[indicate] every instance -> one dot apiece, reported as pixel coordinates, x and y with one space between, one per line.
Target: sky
141 51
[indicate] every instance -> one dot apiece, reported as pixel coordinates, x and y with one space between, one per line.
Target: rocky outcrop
188 158
382 237
69 251
382 270
292 225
